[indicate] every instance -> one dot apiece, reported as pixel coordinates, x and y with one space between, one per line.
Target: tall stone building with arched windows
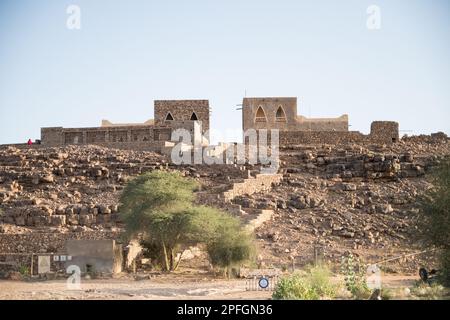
281 113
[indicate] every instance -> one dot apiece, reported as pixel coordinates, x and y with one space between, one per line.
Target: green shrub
435 222
314 285
355 277
230 245
24 270
230 249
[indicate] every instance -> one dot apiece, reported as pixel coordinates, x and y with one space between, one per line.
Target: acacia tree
436 217
159 207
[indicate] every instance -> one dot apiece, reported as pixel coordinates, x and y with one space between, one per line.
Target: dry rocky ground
359 199
336 199
182 286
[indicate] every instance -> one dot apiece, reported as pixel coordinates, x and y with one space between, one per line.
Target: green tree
158 207
435 223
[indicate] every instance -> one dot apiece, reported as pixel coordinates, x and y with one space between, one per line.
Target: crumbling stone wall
262 182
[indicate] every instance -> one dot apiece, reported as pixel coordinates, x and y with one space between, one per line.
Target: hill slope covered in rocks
361 198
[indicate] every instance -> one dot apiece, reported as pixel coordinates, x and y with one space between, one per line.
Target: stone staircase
252 218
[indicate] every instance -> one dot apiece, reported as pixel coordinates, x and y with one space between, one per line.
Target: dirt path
130 289
163 287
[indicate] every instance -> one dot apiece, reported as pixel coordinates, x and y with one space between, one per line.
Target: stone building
281 113
192 115
182 110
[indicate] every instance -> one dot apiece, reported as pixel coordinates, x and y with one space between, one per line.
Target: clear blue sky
129 53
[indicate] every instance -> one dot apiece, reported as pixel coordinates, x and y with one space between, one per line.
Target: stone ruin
281 114
193 115
152 135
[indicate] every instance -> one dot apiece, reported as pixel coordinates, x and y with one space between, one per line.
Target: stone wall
149 138
270 107
52 136
290 138
22 250
262 182
48 242
182 110
385 132
339 124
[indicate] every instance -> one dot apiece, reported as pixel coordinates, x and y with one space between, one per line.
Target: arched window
194 116
280 115
260 115
169 117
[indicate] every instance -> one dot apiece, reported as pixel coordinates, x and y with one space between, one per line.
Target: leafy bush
229 249
355 277
314 285
435 222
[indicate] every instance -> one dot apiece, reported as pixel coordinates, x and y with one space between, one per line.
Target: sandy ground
160 287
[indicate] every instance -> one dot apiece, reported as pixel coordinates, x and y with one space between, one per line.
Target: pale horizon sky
129 53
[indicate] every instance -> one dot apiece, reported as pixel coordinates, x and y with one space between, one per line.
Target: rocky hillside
335 199
332 199
77 188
